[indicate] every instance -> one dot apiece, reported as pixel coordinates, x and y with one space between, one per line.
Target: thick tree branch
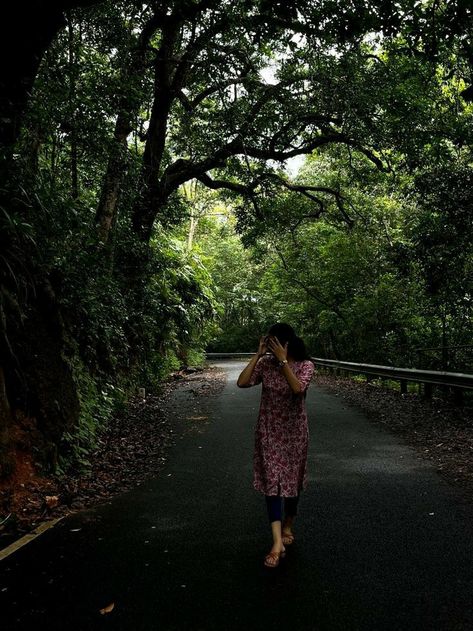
310 145
195 46
307 190
248 190
190 10
232 186
303 120
183 170
215 88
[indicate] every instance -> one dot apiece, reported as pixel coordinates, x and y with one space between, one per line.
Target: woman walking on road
282 431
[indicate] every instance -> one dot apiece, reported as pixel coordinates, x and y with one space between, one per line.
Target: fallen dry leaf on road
108 608
51 501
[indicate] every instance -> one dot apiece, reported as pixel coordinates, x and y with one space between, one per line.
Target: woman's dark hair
285 333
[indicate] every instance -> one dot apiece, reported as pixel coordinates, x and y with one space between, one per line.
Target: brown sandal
287 538
276 556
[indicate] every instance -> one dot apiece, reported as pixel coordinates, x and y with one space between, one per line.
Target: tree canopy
149 209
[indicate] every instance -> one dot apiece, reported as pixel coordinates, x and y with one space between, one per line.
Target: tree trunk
32 149
72 109
128 109
151 193
116 168
192 229
148 206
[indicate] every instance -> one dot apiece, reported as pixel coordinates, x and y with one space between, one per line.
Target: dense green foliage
147 207
395 278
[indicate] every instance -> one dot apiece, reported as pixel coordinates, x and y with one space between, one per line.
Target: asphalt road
383 542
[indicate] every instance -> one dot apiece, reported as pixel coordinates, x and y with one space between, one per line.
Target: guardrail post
458 396
403 384
428 389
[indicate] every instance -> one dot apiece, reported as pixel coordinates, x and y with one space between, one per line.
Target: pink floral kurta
282 431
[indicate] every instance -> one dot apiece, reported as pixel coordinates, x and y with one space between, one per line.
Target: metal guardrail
434 377
456 380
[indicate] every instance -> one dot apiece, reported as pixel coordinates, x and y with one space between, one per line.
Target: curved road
383 542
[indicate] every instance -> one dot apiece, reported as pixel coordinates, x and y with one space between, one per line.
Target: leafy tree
113 109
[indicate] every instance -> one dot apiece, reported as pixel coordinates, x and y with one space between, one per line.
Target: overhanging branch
191 104
232 186
307 148
307 190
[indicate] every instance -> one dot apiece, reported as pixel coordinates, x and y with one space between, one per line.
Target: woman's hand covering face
277 348
263 348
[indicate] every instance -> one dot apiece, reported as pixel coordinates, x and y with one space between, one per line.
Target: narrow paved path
383 542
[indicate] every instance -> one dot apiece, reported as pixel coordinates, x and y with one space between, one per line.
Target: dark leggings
274 505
